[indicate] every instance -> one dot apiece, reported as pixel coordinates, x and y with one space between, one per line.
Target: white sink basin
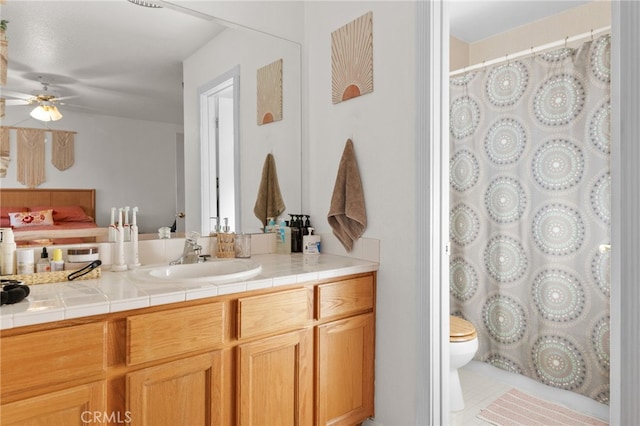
213 271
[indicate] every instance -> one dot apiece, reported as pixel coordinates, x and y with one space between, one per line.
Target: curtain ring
566 39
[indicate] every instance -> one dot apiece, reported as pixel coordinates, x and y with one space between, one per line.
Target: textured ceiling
111 57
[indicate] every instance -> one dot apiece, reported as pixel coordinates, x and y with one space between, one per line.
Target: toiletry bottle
296 247
57 264
7 252
311 243
271 226
25 261
43 263
283 242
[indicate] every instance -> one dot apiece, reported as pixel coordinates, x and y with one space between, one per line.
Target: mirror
215 63
138 161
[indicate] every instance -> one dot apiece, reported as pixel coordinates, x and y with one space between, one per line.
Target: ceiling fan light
54 113
46 113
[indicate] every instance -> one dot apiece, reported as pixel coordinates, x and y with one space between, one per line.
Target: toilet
463 344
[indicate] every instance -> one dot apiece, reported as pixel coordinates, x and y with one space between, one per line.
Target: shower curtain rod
531 51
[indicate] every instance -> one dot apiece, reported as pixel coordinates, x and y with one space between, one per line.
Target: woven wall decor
62 149
30 157
5 148
4 58
270 93
352 59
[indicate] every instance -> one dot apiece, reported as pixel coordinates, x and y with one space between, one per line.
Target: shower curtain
530 214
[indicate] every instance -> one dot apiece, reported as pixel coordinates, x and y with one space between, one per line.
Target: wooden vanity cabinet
69 362
275 358
345 351
297 355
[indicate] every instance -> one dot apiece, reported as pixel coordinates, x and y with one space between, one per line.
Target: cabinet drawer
51 357
345 297
167 333
271 313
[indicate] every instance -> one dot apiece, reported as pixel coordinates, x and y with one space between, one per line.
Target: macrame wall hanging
62 149
31 152
30 157
5 154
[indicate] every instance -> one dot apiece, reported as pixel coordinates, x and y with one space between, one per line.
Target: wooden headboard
19 197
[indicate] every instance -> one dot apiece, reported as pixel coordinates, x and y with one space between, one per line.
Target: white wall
250 50
128 162
381 125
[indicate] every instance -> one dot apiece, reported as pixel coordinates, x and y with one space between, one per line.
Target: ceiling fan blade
78 107
12 102
65 97
13 94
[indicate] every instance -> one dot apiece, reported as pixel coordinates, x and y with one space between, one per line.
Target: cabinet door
275 380
344 386
183 392
79 405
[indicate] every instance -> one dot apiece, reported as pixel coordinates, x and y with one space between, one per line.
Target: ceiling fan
45 102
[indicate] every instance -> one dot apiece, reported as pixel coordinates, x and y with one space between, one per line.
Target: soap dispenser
226 241
311 243
283 239
296 240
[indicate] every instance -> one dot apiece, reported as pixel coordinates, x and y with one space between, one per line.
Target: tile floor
482 384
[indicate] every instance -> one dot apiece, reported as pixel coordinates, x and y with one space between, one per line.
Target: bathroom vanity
293 346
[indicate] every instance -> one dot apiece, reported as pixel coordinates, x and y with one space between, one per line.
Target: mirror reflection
122 90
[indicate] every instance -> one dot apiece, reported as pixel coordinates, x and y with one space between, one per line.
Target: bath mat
516 408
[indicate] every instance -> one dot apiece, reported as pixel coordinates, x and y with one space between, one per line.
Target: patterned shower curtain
530 214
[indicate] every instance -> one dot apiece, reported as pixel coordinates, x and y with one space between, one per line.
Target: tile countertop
116 291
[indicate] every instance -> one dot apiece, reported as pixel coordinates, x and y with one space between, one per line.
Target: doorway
432 103
219 151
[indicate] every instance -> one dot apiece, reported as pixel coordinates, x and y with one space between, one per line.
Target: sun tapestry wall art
352 59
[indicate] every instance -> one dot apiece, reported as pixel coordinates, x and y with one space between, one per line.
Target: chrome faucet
191 252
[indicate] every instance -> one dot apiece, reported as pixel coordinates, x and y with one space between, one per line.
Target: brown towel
269 202
347 214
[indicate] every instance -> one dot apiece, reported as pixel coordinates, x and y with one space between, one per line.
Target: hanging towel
269 202
347 214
